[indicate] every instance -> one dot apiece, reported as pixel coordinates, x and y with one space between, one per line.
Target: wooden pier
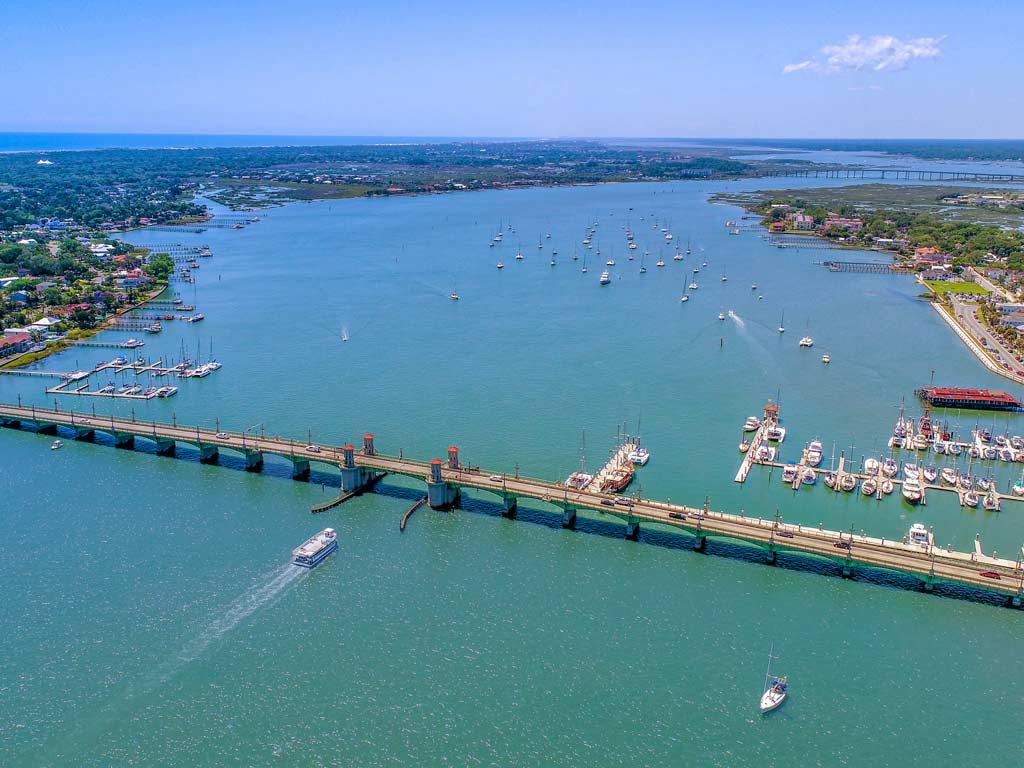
359 469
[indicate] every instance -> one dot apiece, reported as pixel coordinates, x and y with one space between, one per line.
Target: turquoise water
156 621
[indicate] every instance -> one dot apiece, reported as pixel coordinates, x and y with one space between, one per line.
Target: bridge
896 174
445 481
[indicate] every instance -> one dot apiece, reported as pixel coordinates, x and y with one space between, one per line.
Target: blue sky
917 69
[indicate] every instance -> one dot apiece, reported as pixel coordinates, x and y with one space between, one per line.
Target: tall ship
317 547
618 478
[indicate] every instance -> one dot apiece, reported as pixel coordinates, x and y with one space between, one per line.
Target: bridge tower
352 477
441 495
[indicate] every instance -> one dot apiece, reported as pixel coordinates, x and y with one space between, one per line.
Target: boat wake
270 587
264 593
737 319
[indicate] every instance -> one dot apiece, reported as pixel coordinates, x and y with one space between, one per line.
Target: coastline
972 345
27 358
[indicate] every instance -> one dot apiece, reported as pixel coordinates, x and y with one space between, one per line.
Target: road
964 313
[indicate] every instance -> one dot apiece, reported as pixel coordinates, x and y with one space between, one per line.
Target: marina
878 477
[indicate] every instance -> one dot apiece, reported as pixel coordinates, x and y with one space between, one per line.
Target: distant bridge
896 174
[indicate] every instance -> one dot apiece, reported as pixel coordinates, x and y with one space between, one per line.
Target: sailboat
782 323
454 295
643 267
775 688
807 341
584 270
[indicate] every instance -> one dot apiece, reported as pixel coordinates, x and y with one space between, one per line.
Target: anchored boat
775 688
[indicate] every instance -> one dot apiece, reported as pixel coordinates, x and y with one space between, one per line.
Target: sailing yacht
782 324
775 688
500 265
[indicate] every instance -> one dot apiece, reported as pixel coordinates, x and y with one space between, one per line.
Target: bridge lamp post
246 431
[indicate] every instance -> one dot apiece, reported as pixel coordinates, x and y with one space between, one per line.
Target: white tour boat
312 552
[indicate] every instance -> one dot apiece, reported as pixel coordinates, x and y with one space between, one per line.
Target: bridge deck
936 565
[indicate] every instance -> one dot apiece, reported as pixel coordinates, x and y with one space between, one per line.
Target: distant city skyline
528 69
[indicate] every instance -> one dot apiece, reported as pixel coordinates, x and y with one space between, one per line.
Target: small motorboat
806 341
500 265
826 359
56 445
871 466
789 473
918 536
745 446
454 296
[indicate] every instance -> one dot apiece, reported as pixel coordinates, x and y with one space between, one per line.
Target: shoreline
63 345
974 347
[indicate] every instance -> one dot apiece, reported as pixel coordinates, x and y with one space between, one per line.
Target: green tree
160 267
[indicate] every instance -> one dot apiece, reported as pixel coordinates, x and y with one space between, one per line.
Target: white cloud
878 53
808 64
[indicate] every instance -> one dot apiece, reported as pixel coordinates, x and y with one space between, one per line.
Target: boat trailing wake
264 593
737 319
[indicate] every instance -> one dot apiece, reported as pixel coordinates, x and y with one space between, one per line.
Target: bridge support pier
300 469
165 447
1015 601
569 517
772 557
847 572
253 461
45 428
85 433
208 454
700 544
353 478
124 440
442 496
927 586
633 529
511 507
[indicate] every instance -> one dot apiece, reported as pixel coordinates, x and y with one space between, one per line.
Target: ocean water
151 617
41 142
